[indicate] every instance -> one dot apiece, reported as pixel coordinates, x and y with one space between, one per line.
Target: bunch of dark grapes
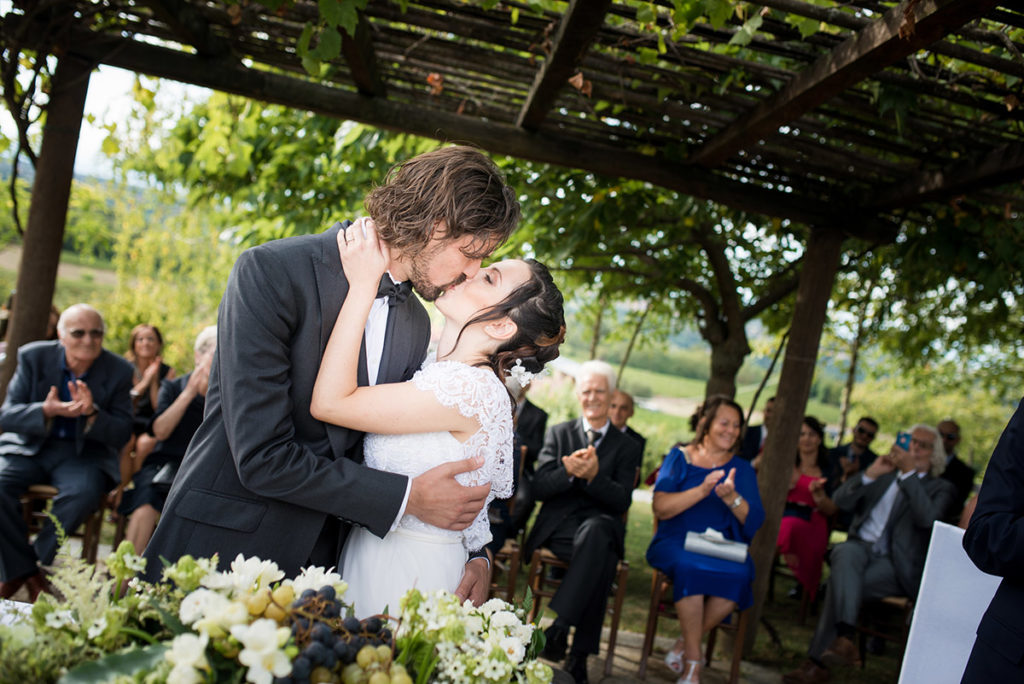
337 649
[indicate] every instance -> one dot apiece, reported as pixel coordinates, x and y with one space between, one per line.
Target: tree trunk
595 333
816 280
47 214
632 341
764 380
851 375
726 359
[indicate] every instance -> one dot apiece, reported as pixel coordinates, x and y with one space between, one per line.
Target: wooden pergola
851 118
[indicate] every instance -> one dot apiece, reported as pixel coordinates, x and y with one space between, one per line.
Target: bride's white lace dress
415 554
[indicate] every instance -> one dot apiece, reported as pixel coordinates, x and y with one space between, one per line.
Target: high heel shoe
692 673
674 660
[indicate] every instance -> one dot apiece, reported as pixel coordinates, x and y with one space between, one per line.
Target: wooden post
47 214
816 280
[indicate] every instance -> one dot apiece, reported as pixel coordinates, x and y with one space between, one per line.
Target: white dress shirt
873 529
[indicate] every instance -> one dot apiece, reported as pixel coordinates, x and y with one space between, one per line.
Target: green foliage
898 404
173 276
276 171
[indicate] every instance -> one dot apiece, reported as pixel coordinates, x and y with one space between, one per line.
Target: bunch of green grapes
337 649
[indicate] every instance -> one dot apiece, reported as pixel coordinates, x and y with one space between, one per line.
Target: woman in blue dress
702 485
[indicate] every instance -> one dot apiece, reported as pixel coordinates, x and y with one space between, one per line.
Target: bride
506 321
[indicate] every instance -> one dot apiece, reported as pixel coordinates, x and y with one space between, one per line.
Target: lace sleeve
477 393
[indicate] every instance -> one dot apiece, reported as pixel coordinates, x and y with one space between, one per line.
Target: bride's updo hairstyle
536 309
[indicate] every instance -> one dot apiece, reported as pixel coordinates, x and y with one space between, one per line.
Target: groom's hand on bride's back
438 499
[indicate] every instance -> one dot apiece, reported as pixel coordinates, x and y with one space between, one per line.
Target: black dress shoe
576 665
556 640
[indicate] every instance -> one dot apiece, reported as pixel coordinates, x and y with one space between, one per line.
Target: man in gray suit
894 503
65 418
261 476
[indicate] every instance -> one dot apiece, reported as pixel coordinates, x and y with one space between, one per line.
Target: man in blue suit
995 542
67 414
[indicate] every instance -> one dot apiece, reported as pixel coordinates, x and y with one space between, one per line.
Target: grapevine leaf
331 11
329 46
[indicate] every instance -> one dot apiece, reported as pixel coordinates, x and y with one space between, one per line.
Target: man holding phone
894 502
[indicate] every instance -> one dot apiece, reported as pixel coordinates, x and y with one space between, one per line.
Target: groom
261 476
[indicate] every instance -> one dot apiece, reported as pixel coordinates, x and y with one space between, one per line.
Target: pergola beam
190 26
576 32
873 48
1000 165
362 61
497 137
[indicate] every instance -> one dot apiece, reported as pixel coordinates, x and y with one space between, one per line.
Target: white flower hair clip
519 373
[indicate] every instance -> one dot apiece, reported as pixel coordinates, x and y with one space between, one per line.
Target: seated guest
894 503
530 423
854 456
66 415
620 412
958 473
178 415
704 485
851 458
144 349
804 530
585 477
755 435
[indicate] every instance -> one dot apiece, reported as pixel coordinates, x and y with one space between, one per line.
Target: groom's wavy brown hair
457 184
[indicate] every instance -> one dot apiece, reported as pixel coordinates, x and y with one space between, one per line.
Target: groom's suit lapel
332 288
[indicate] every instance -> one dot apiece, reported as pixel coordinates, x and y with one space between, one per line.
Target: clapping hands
152 372
81 401
582 463
199 381
726 489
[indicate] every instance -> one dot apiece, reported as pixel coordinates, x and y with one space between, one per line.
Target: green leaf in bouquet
106 668
171 621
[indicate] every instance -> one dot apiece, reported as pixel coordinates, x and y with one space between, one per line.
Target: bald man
67 414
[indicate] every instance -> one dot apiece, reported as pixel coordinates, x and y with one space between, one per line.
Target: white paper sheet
954 595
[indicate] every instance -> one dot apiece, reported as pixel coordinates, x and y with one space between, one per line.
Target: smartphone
903 440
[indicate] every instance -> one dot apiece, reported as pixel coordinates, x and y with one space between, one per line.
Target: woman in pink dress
803 533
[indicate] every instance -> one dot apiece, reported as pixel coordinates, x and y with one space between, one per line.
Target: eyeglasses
949 435
78 333
922 445
867 433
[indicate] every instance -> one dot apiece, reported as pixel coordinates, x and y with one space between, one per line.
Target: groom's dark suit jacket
995 542
262 476
569 502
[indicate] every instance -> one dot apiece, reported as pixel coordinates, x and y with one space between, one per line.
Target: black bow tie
395 292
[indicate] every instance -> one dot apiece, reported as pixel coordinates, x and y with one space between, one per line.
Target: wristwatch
737 502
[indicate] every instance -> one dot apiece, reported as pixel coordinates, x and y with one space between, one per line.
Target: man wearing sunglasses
958 473
856 455
67 414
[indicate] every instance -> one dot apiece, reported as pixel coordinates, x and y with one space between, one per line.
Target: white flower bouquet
251 624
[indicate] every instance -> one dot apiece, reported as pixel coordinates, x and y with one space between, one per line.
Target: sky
109 99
